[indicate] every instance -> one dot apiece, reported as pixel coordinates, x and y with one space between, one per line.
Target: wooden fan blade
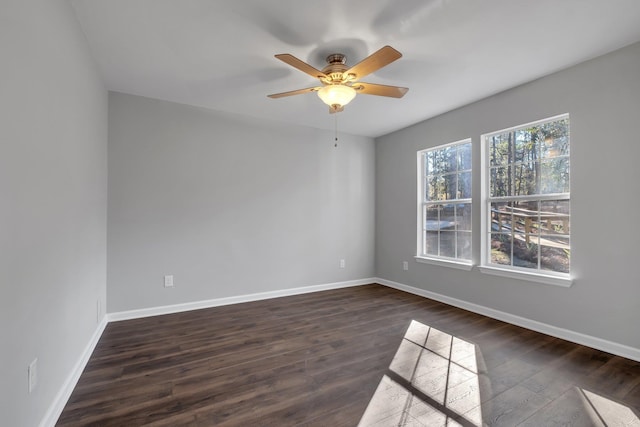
380 90
294 92
374 62
300 65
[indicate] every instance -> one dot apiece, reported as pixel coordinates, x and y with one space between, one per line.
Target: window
526 211
444 203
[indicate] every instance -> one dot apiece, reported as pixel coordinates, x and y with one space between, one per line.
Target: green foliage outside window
529 202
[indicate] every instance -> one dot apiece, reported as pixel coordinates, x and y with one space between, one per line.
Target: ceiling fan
340 84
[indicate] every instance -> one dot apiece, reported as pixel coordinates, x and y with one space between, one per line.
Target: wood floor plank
322 359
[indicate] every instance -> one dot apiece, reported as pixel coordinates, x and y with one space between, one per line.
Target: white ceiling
218 54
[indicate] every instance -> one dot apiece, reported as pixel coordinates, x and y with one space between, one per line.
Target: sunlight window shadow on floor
432 380
584 408
606 412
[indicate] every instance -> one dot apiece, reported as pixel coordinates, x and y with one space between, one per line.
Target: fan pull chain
335 116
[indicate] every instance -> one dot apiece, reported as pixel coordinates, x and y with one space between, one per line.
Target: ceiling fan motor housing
335 70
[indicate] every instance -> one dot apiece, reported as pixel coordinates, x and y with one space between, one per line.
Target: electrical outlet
98 310
33 374
168 281
405 265
343 263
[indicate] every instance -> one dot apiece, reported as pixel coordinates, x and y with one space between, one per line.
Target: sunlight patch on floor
606 412
432 381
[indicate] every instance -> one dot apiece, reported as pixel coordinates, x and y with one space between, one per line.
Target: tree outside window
528 197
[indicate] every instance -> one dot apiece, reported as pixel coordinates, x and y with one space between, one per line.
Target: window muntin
527 218
444 200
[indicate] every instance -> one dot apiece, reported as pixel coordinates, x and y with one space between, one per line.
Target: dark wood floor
366 355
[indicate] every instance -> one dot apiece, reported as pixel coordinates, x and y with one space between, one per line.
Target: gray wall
603 99
53 194
230 206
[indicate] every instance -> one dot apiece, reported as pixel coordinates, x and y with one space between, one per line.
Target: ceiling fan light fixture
339 95
341 83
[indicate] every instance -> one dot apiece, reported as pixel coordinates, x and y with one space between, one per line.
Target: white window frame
420 255
514 272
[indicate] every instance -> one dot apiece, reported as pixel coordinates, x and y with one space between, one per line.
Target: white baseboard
54 411
196 305
565 334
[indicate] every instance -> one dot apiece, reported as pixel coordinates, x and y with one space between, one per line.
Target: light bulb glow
339 95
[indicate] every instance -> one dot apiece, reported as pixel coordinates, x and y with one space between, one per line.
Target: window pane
448 216
555 176
430 162
449 187
438 162
464 185
433 217
500 249
555 217
501 217
555 253
555 240
432 243
447 244
464 157
525 251
525 179
524 147
500 182
436 188
555 137
525 216
463 216
464 245
448 160
498 151
555 147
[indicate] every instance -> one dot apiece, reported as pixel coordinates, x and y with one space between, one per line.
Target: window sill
444 263
531 277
